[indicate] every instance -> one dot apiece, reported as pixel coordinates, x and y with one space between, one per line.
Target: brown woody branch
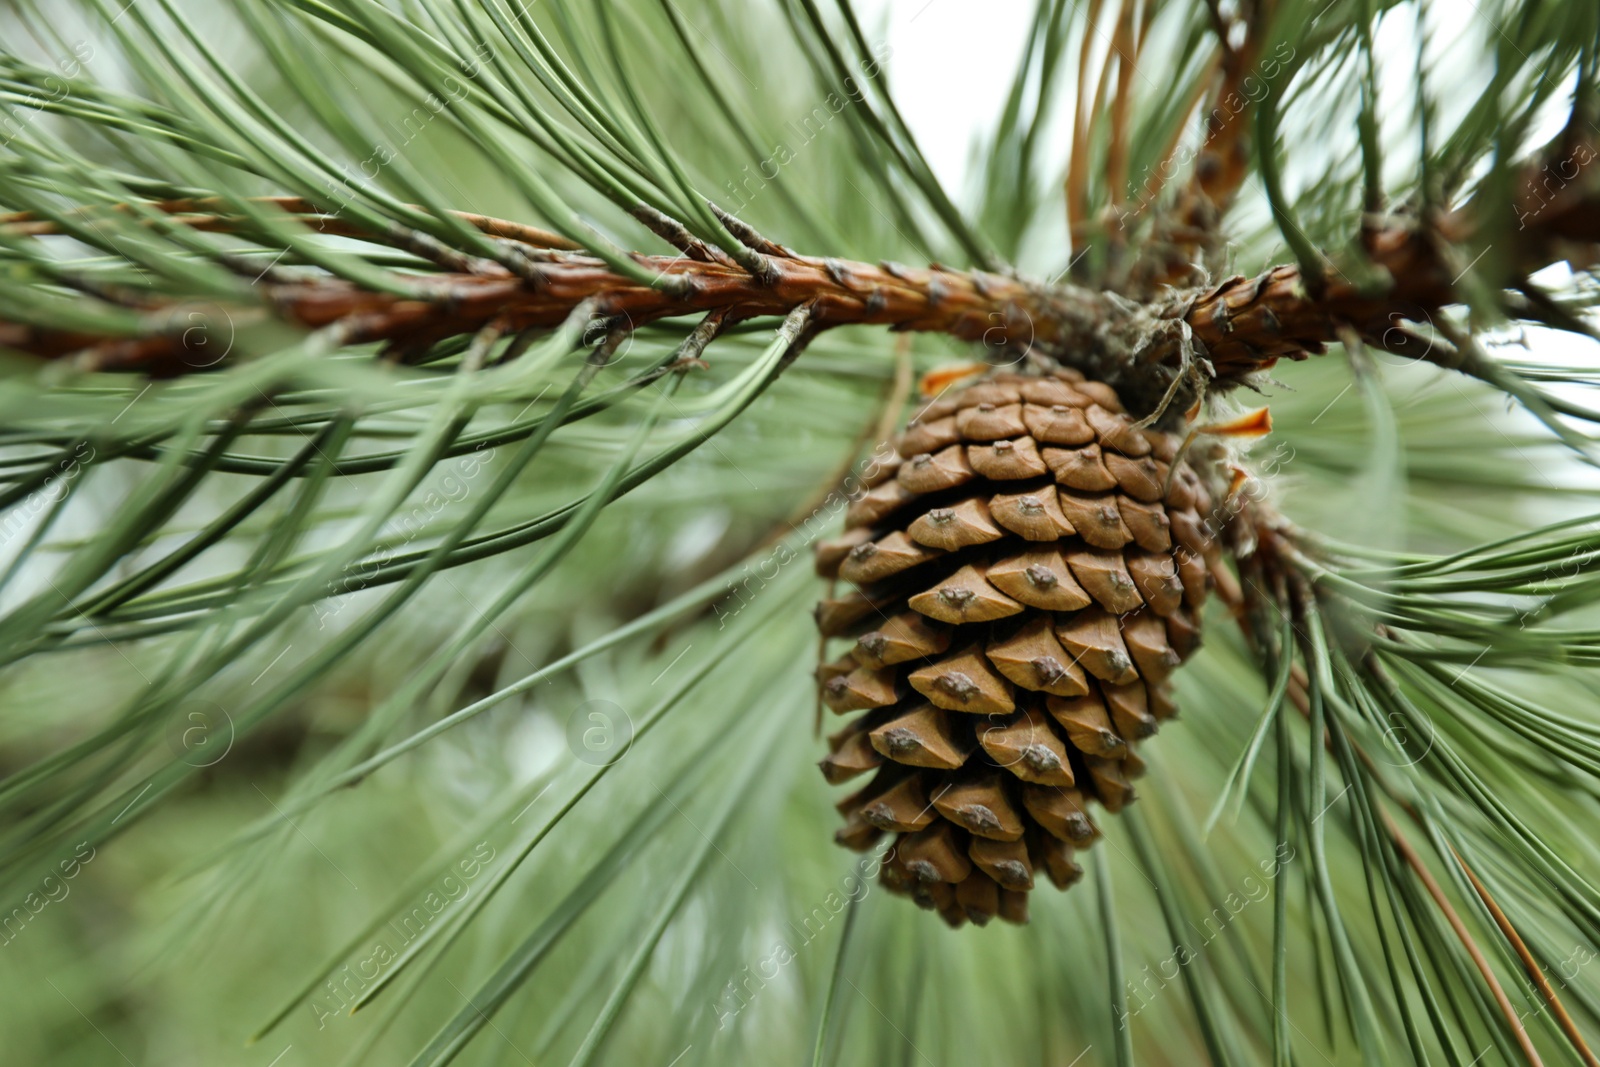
973 306
1190 227
209 214
1241 326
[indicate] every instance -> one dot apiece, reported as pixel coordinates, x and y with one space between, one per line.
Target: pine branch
1191 226
154 557
1241 326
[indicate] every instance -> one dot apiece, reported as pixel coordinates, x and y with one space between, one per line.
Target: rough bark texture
1212 337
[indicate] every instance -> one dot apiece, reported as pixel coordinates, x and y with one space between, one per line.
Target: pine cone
1029 572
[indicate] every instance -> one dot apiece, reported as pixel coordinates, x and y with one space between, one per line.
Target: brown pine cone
1029 571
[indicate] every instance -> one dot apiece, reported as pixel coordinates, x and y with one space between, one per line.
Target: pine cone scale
1029 570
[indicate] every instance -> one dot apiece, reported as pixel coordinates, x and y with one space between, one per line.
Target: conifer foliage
415 417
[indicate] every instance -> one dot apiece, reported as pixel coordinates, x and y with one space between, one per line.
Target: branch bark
1405 274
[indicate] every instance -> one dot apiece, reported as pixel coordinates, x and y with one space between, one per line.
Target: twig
1125 47
1244 326
1190 225
1531 965
209 214
673 232
1158 179
1435 891
1077 182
